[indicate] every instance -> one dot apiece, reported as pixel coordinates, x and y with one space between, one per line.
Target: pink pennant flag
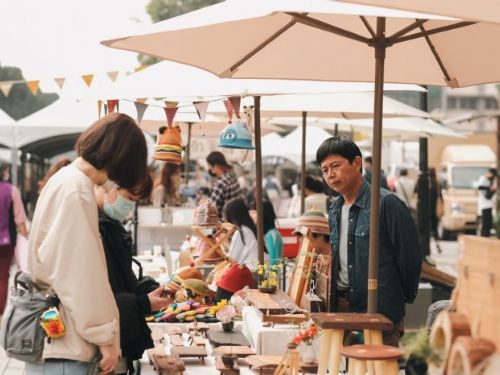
235 102
140 108
229 109
112 75
170 112
201 109
112 105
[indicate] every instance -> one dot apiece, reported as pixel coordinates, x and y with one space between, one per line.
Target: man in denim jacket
400 255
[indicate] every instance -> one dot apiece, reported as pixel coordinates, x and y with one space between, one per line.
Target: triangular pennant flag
60 81
141 108
99 107
88 79
105 109
141 100
170 112
112 104
229 109
5 87
112 75
235 102
171 104
139 68
33 86
201 109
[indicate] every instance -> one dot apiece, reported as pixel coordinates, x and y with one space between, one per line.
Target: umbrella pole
258 182
380 46
188 151
303 165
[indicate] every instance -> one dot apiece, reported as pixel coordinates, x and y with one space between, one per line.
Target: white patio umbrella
477 10
328 40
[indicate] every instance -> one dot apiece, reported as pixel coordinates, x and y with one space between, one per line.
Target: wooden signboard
302 269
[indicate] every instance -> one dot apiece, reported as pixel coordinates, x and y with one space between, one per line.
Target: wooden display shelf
240 351
272 303
219 365
190 351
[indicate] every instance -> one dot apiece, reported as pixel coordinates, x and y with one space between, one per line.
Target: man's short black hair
368 159
337 146
217 158
493 171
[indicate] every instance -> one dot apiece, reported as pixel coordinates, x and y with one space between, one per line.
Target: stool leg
374 337
360 367
391 367
324 351
351 367
337 340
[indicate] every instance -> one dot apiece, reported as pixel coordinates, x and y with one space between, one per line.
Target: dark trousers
6 254
487 222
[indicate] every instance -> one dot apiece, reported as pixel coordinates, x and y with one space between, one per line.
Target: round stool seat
372 352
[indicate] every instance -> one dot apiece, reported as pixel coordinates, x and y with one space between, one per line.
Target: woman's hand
158 299
110 355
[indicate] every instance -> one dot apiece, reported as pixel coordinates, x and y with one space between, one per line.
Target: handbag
21 334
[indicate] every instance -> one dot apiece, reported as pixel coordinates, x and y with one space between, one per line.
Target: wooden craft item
446 328
468 355
352 321
478 286
175 330
197 326
218 337
284 319
157 334
272 303
190 351
289 363
434 275
219 365
198 341
168 364
223 233
240 351
360 356
157 350
303 266
265 362
176 340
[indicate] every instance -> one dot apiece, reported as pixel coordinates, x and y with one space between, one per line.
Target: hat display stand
223 233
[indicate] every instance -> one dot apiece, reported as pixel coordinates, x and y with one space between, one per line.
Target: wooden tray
190 351
275 303
240 351
261 362
218 337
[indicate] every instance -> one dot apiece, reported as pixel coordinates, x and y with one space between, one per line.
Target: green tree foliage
160 10
21 102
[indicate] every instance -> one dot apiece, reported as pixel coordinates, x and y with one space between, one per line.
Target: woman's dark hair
167 172
218 158
52 171
236 212
143 190
115 144
269 216
314 184
337 146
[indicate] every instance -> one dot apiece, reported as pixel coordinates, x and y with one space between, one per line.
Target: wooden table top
352 321
218 337
240 351
271 361
275 303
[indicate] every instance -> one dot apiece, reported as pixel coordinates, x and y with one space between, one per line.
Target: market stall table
217 337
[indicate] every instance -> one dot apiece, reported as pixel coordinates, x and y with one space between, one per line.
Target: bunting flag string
112 105
140 108
235 102
201 109
229 109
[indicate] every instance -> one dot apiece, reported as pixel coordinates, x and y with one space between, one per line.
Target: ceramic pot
269 290
308 354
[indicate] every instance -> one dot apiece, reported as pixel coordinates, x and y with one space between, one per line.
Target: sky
55 38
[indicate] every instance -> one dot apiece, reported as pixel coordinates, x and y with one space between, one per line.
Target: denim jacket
400 254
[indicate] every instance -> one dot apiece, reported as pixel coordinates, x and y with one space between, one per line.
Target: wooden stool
224 232
385 356
334 325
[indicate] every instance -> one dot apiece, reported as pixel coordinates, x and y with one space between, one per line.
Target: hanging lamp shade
168 146
236 135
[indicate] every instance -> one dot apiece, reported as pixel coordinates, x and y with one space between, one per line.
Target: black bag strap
21 279
138 264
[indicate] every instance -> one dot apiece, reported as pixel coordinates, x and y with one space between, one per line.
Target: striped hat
315 220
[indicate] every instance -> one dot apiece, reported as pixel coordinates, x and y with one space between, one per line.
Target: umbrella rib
368 26
407 29
433 31
436 55
312 22
230 71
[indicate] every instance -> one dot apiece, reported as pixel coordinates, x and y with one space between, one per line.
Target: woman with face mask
65 249
133 303
166 191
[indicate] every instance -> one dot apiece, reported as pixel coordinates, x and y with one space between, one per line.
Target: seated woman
242 251
133 304
272 237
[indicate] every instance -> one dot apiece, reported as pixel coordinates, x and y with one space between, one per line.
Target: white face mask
120 209
109 185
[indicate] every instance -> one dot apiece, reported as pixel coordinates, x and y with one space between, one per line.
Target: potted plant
268 278
306 337
225 315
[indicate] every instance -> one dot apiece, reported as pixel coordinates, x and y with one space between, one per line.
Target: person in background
133 304
272 237
315 195
405 187
55 167
400 254
226 186
166 190
242 251
436 199
66 254
367 168
12 224
487 187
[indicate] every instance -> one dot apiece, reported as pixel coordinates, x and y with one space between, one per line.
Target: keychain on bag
52 323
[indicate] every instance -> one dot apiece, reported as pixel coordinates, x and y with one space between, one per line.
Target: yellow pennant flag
33 86
99 108
5 87
139 68
60 81
112 75
141 100
88 79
